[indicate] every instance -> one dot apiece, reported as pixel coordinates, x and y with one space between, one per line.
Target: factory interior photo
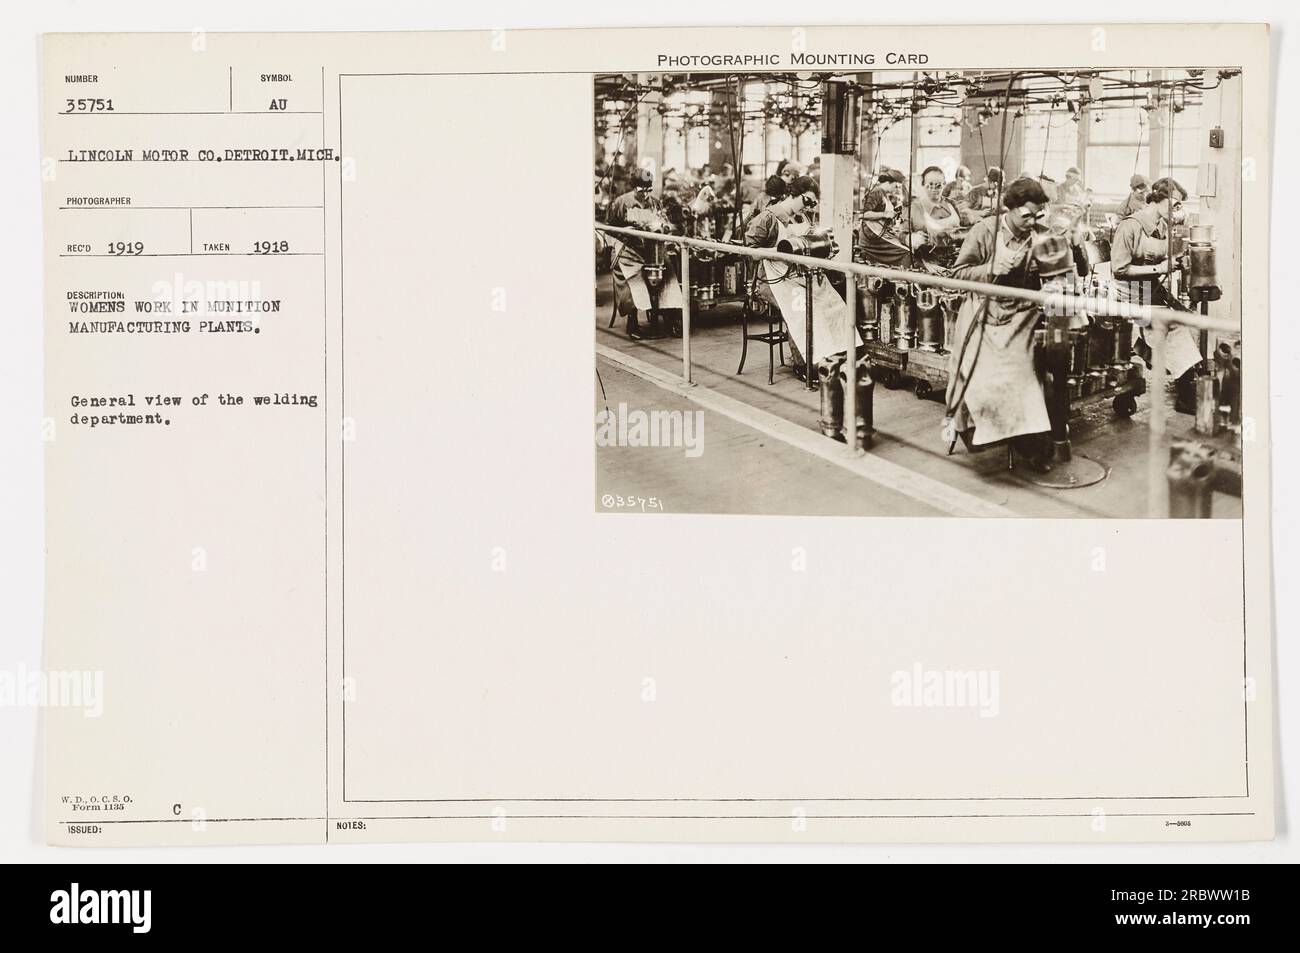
979 293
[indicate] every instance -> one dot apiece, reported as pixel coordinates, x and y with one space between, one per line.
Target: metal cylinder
815 244
1202 268
905 318
867 311
951 305
1207 405
1191 481
929 320
864 413
905 333
1052 254
1121 341
930 333
840 124
870 303
830 382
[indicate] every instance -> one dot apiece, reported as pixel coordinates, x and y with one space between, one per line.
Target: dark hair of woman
1162 189
1021 191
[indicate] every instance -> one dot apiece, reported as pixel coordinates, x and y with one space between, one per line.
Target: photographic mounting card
405 482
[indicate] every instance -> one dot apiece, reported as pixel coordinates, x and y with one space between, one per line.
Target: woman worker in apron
883 236
639 209
994 393
781 286
1138 257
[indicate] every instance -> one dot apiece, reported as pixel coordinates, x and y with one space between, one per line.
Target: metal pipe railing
1146 315
1159 319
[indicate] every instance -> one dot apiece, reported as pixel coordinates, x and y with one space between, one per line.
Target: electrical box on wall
1216 137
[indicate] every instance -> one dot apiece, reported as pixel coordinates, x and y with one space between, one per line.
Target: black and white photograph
933 508
1036 271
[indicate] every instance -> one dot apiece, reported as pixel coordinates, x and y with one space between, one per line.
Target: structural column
650 129
1219 188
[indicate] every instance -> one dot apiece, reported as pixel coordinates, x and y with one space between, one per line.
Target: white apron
1182 350
630 288
1004 397
1002 394
831 316
1182 344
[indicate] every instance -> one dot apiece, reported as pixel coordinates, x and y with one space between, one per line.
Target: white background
21 478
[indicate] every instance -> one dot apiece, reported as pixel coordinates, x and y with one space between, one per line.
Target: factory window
1119 146
776 126
784 123
752 152
893 145
889 125
938 140
699 145
1186 144
755 150
620 130
1051 142
686 130
769 143
674 143
808 144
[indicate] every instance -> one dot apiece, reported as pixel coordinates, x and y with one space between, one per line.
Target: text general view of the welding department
921 293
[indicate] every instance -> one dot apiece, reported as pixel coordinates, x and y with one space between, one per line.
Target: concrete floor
782 479
741 470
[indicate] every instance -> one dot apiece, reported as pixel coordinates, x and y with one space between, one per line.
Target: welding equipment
818 243
1052 254
1064 350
